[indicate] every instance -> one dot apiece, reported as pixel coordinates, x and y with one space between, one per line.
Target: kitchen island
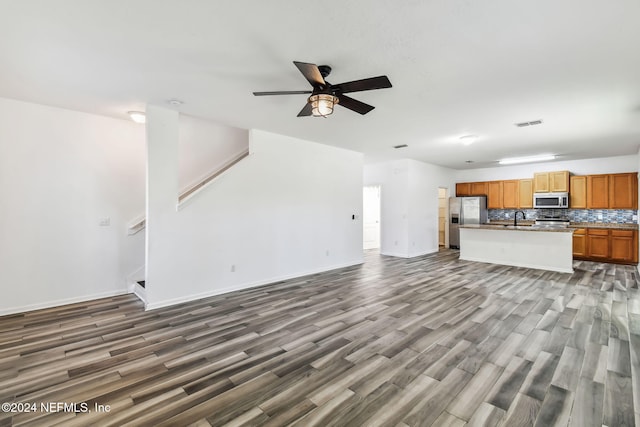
521 246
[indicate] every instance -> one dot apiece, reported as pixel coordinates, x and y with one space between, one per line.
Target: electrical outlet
104 222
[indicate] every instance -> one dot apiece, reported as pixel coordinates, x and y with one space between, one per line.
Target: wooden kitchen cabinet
623 191
606 245
479 189
541 182
559 181
624 245
463 189
578 192
511 194
551 182
598 192
598 243
495 194
525 196
580 242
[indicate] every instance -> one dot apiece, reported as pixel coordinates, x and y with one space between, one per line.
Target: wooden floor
426 341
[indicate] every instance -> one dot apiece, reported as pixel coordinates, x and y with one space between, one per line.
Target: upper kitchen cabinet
551 182
495 194
525 196
598 192
463 189
510 194
541 182
578 192
623 191
559 182
479 189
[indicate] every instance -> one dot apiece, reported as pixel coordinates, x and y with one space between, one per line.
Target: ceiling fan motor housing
325 70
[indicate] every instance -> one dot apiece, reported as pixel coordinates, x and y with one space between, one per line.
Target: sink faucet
515 217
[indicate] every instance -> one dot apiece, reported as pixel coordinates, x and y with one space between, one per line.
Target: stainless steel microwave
551 200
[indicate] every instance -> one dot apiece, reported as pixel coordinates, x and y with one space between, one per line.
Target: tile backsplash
617 216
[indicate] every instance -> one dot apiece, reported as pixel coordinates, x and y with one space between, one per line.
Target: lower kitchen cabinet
606 245
624 245
598 243
580 242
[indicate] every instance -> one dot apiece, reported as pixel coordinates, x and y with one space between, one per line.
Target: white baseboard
64 301
220 291
427 252
140 292
395 254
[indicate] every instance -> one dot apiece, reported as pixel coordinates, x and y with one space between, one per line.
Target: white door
371 217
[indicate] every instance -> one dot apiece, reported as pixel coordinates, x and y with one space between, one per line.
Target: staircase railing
140 223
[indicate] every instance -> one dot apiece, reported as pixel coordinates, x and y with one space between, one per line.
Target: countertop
494 226
572 225
603 225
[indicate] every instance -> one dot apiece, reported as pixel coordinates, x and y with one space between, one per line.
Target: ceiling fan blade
311 73
354 104
380 82
282 92
306 111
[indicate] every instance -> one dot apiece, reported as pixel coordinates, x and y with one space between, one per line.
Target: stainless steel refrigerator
462 211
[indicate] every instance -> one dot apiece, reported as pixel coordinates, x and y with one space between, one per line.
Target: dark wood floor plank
430 340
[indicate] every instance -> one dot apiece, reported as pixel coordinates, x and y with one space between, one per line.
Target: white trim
58 303
411 255
133 277
239 287
140 292
427 252
395 254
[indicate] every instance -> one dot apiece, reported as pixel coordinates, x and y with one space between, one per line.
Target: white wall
409 199
576 167
205 147
393 178
424 181
284 211
61 172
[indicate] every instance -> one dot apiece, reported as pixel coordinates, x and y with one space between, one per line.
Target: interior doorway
371 217
442 217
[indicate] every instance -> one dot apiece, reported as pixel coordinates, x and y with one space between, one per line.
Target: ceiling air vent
400 146
531 123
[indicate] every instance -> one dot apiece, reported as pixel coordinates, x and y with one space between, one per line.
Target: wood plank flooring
394 342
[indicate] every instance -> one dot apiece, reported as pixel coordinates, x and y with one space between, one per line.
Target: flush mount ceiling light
468 139
137 116
322 104
539 158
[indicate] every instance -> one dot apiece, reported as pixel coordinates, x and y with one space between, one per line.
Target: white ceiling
457 67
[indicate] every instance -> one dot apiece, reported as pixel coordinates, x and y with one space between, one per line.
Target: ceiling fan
325 96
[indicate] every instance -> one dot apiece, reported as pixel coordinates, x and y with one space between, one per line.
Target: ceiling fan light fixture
322 104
